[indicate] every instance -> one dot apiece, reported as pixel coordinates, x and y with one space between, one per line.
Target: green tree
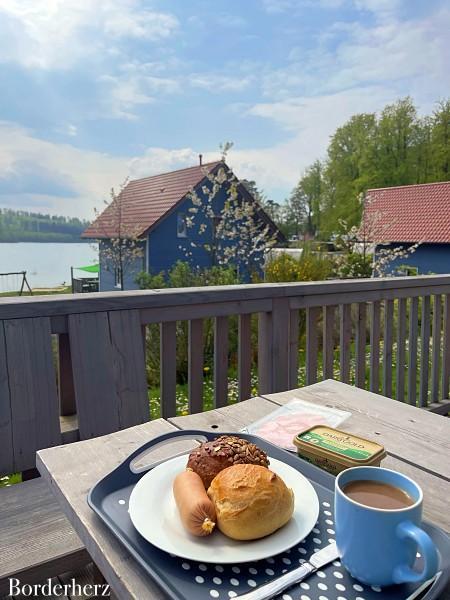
395 153
440 141
350 169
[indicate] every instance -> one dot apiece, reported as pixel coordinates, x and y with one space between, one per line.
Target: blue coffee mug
378 546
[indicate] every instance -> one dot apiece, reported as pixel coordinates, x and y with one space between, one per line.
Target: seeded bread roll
212 457
250 501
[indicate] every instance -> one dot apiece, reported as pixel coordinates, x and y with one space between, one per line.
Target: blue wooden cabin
401 216
155 210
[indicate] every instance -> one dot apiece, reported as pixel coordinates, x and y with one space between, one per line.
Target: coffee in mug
377 494
378 514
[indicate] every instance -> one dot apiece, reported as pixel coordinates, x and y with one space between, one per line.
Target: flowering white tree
359 244
236 233
123 246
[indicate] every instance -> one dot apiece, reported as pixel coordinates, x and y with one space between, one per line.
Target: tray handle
158 442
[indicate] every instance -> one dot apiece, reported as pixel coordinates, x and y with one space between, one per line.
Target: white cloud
161 160
67 129
219 83
91 173
56 34
412 55
281 6
134 86
230 20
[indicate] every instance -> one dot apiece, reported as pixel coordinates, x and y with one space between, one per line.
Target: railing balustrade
387 335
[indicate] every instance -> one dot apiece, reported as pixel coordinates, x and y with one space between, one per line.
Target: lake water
46 264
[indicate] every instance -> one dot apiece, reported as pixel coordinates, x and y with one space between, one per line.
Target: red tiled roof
144 201
408 213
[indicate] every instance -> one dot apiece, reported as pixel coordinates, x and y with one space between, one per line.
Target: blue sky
92 92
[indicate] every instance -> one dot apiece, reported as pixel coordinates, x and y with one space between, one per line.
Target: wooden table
418 444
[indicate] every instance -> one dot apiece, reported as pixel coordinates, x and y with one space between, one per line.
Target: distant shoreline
80 241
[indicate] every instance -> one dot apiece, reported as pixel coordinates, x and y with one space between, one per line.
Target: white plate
154 514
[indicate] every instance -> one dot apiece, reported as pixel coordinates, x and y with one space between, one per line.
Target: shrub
309 267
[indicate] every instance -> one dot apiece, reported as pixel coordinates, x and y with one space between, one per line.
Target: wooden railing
390 335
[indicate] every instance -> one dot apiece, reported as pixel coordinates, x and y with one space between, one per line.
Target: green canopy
89 268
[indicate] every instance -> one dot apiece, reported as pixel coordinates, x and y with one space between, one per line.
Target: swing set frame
24 281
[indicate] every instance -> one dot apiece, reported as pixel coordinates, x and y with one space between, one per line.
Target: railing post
220 361
280 346
360 346
345 333
436 348
293 348
387 347
446 350
312 346
401 351
195 365
244 357
265 353
65 377
412 351
375 346
328 341
425 351
168 369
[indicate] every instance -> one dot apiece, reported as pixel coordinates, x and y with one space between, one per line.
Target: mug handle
404 573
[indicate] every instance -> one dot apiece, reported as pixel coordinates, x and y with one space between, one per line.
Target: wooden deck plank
32 386
36 538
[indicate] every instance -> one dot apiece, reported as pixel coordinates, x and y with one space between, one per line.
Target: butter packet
282 425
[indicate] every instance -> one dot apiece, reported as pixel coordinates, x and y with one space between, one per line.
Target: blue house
398 217
159 220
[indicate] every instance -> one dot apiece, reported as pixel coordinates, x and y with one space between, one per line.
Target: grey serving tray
188 580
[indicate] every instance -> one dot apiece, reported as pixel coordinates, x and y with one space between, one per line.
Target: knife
270 590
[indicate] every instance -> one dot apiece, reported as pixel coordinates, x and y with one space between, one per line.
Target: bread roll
251 501
212 457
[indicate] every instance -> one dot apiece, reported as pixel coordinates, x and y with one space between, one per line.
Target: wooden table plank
71 471
407 432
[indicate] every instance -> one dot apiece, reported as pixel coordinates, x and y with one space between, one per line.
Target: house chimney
200 158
